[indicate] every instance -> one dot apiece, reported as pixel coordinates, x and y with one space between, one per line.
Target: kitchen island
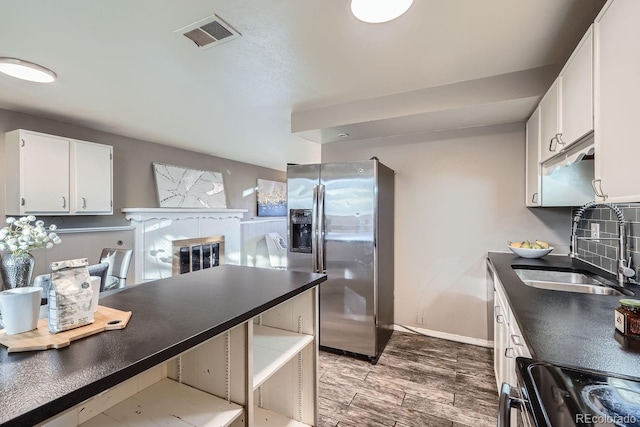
212 330
568 328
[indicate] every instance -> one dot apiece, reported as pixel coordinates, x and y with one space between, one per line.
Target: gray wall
133 181
459 194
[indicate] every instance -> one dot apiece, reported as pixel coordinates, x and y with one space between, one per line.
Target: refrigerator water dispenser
300 227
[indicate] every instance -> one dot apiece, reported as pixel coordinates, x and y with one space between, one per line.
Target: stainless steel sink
564 281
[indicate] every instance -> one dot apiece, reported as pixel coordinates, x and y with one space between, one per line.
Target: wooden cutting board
105 319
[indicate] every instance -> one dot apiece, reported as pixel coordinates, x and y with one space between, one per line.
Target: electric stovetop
564 396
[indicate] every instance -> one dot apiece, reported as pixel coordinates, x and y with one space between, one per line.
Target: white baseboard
444 335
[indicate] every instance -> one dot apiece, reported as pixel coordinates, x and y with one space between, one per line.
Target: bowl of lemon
527 249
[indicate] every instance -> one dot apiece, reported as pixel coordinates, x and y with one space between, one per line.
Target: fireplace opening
197 254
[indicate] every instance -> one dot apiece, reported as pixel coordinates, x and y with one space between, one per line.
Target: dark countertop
568 328
169 317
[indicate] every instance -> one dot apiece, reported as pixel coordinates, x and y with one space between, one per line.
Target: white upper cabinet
533 160
566 111
52 175
576 95
36 173
617 91
550 122
91 178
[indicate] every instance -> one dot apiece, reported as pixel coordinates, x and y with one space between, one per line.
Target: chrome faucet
624 271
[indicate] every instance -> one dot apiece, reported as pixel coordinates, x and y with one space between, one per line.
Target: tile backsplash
604 253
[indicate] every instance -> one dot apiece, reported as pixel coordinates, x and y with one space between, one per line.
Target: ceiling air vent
209 31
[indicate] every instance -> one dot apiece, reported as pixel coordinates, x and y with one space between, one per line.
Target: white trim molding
444 335
95 229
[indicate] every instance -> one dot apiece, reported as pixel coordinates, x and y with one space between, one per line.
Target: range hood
581 150
566 177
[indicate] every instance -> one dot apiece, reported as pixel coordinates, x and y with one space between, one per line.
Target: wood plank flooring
418 381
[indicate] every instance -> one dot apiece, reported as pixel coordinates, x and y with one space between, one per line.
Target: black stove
559 396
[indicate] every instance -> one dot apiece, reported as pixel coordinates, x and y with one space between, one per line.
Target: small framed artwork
181 187
272 198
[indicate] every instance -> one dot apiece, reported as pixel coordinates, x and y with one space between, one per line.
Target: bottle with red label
628 317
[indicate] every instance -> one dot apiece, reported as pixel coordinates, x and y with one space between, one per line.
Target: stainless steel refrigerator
340 222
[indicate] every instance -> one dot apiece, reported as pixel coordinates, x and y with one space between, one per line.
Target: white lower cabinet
501 340
508 340
260 373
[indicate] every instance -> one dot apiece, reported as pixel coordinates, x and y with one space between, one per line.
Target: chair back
119 260
277 249
43 281
101 271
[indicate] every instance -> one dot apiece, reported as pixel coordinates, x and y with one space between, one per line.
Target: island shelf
230 346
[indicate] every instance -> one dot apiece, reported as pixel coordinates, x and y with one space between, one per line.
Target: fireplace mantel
156 228
143 214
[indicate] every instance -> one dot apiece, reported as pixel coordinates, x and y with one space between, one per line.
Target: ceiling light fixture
377 11
26 70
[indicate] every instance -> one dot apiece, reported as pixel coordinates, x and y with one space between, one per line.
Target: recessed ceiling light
343 135
377 11
26 70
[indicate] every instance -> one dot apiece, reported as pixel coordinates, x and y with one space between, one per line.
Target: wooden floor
418 381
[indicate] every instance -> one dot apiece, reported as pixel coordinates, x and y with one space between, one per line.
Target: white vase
20 309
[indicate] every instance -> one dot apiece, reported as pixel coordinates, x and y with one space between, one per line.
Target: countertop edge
570 329
71 399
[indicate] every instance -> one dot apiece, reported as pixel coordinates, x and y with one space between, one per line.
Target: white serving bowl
530 253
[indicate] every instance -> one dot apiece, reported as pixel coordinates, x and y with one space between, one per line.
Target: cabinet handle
595 190
510 354
551 144
559 139
517 340
64 202
22 142
84 203
500 318
534 198
22 201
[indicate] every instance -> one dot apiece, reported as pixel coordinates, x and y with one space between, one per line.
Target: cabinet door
532 176
92 177
499 327
549 122
577 92
617 91
501 335
496 338
44 175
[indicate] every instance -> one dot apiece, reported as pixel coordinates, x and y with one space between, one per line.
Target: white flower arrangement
21 237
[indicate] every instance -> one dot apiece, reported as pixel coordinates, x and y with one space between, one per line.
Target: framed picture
181 187
272 198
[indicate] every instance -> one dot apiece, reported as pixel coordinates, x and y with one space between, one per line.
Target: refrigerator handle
321 246
314 231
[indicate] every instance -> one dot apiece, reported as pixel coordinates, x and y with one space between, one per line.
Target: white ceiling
306 65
